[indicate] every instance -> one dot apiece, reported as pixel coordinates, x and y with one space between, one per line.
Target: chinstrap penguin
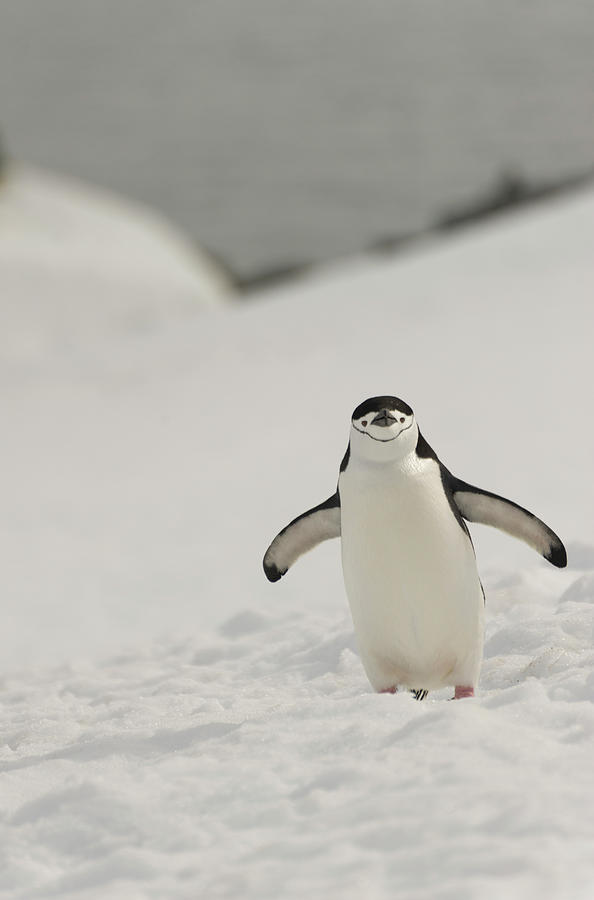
407 557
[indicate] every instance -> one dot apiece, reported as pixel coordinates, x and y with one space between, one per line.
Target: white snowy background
173 726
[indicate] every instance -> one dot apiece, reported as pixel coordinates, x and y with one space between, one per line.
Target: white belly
411 579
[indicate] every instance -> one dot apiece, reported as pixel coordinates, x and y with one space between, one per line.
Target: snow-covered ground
77 262
173 725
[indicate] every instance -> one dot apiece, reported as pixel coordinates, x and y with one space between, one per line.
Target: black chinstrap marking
380 440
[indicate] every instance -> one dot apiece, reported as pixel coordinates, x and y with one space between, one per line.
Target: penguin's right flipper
302 534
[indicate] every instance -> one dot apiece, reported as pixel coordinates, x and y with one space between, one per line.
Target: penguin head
383 429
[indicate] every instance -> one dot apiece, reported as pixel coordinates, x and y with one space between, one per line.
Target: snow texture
77 262
175 726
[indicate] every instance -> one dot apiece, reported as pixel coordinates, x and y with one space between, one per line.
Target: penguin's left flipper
481 506
302 534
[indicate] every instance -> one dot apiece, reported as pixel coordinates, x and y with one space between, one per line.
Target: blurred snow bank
77 262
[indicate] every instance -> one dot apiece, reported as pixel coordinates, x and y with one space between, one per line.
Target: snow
76 262
258 763
173 725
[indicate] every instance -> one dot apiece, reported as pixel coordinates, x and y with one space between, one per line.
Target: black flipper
302 534
477 505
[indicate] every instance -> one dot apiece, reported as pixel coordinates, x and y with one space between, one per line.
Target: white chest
410 574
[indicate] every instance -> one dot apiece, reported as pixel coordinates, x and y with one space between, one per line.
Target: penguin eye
364 423
402 418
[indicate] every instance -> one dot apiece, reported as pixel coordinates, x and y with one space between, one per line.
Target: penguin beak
384 418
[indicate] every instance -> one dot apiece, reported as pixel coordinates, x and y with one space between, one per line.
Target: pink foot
462 691
390 690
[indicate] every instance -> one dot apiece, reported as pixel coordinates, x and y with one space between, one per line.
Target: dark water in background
282 130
